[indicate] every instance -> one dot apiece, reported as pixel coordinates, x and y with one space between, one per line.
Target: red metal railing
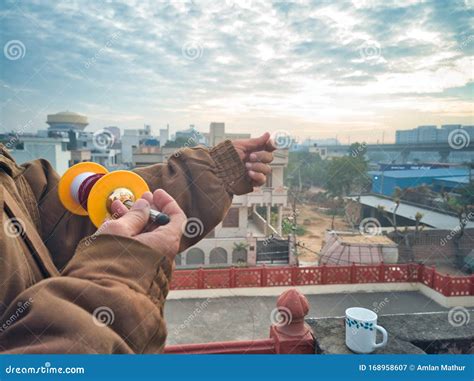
319 275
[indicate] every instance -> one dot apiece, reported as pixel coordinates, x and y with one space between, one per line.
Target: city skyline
361 69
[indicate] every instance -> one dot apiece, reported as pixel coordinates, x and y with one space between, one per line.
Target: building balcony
263 196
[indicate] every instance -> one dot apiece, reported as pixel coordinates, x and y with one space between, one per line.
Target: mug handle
384 337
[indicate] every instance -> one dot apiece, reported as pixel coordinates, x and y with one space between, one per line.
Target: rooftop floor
247 318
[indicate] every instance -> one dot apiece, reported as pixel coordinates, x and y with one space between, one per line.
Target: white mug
361 328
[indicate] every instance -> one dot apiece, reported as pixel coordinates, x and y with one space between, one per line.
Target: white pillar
269 217
280 218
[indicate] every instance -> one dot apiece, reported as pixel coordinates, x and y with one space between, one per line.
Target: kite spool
88 189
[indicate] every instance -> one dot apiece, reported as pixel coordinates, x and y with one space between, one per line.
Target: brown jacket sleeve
108 299
201 180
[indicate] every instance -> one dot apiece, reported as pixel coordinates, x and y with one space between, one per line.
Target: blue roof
455 179
438 172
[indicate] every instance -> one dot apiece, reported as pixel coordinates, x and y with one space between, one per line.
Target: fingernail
253 156
251 173
140 204
248 165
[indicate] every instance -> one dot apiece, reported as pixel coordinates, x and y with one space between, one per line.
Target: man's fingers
165 203
135 220
258 167
261 156
148 196
257 144
258 178
270 146
118 209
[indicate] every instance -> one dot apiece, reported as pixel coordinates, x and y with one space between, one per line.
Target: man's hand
256 154
134 223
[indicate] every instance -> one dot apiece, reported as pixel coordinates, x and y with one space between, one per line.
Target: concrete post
269 217
290 332
280 219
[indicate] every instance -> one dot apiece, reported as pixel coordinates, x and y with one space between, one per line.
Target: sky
355 70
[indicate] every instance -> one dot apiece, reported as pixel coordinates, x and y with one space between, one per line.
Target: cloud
298 61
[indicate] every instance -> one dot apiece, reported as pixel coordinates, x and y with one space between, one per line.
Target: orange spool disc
65 183
103 188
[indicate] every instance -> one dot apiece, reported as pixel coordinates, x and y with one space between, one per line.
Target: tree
305 169
181 142
408 237
463 206
345 175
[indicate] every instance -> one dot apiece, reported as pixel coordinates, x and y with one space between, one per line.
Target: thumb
135 220
257 144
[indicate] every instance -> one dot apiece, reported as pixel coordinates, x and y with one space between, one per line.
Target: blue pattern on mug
354 323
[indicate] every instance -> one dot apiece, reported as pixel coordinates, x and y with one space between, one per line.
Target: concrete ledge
417 333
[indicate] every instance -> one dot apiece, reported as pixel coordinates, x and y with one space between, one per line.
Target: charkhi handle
155 216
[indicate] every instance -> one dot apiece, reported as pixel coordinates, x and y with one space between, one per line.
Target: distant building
52 149
164 135
385 182
243 236
430 134
217 134
65 121
148 155
79 156
346 248
133 138
115 131
307 144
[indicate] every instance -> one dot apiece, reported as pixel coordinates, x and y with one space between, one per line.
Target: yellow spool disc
64 186
97 201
